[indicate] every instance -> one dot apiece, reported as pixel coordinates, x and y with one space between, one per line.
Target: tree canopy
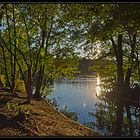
39 41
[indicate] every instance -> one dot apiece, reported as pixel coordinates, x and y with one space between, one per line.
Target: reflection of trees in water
54 102
130 124
69 114
118 113
64 110
106 119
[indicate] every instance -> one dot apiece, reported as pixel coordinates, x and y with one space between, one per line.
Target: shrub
17 107
20 86
2 81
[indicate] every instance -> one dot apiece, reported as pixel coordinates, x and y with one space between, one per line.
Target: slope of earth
42 119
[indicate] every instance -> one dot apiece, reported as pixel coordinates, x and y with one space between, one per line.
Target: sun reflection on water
98 88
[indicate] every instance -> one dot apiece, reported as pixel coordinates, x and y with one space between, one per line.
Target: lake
78 95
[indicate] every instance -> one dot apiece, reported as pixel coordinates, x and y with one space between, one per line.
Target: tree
116 26
108 33
37 45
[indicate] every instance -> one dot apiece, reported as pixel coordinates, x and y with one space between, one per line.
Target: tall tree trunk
14 67
10 44
29 65
20 68
120 82
120 63
127 78
39 82
41 71
29 84
119 60
129 70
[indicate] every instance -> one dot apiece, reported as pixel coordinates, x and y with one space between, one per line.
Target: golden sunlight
98 81
98 51
98 88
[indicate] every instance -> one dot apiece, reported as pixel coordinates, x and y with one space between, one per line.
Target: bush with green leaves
18 108
2 81
20 86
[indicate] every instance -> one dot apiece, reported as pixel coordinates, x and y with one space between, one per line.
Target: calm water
79 95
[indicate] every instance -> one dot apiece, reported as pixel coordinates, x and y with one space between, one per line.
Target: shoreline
44 120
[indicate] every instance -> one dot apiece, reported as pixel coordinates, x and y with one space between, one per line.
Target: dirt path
43 120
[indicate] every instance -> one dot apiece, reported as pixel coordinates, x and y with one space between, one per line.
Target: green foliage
33 36
47 91
101 22
16 107
20 86
47 36
56 68
2 81
107 71
104 70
